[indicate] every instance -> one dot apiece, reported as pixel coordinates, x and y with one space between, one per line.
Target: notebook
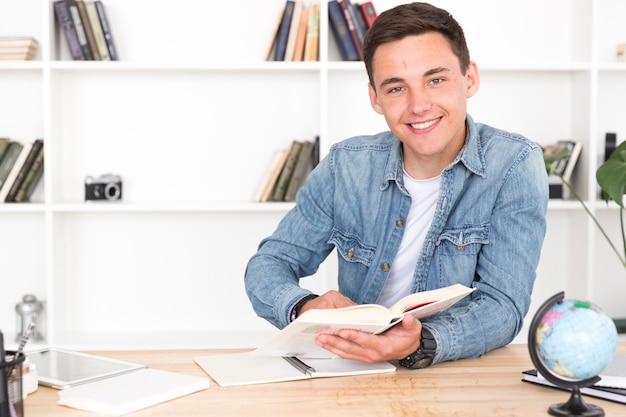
130 392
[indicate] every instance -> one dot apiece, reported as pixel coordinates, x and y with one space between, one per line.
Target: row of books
349 23
18 48
566 153
296 36
21 169
287 171
86 30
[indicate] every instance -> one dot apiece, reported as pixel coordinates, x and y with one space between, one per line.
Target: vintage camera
106 187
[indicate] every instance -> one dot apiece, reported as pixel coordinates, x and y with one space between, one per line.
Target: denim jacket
487 232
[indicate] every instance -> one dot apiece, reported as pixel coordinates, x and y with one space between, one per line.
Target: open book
293 355
298 338
247 368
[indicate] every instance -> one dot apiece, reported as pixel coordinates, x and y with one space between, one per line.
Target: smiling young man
436 200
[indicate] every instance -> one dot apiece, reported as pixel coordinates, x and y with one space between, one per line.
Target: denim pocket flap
351 249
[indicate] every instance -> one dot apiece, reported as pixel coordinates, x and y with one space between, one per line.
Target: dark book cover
283 31
26 167
106 29
80 30
66 23
340 30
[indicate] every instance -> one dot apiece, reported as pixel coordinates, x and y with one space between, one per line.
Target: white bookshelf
190 116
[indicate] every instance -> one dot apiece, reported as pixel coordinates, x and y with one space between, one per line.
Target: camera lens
112 191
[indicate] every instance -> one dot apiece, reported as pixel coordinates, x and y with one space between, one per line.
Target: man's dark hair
414 19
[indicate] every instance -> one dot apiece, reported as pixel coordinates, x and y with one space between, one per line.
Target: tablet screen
60 368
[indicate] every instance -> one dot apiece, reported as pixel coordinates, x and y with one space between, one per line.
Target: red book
369 12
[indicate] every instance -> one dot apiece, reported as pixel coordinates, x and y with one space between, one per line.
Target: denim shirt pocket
457 252
351 249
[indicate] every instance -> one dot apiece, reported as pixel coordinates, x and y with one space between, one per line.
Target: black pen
299 365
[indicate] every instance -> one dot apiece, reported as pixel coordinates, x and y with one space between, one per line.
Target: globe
570 342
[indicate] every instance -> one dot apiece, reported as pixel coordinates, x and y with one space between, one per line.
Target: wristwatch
295 311
424 355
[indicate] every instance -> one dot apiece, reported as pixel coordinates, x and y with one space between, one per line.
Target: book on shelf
564 166
304 165
353 28
311 45
369 12
18 48
66 23
285 174
612 384
271 47
9 158
283 31
24 169
132 391
298 338
87 27
21 167
80 30
106 30
31 180
293 30
298 51
246 368
15 169
264 190
341 32
96 26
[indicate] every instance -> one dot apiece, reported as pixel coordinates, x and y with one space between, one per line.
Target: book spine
340 30
298 52
106 30
17 166
32 178
80 30
23 171
10 156
311 45
300 172
101 43
283 31
287 172
91 40
353 29
369 12
64 18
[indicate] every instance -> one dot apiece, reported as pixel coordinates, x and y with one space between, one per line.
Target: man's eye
395 89
436 81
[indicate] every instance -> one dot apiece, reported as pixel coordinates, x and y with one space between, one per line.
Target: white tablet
60 368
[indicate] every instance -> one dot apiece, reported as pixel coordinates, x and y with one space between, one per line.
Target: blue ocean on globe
576 339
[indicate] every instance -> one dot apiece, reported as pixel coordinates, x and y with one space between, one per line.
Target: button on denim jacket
487 232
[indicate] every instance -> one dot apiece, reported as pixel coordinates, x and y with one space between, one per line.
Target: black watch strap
424 355
295 311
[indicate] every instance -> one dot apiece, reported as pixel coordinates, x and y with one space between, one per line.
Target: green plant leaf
611 175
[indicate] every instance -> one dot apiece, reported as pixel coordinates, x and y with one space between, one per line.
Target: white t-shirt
424 195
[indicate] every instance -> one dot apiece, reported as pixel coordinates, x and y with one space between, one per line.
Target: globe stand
575 406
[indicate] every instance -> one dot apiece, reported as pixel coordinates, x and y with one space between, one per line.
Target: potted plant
611 177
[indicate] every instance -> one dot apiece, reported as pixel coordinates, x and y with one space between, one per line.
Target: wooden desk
487 386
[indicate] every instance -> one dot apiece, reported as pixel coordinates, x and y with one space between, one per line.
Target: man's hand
396 343
330 299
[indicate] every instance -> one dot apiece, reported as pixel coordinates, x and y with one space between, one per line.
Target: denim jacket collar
471 155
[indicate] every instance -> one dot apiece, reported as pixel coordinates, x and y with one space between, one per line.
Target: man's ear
374 99
472 78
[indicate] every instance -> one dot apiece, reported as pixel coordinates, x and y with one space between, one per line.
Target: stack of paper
130 392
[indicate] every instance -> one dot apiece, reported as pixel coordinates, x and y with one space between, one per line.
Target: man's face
422 92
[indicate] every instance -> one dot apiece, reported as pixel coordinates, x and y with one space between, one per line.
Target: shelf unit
190 116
